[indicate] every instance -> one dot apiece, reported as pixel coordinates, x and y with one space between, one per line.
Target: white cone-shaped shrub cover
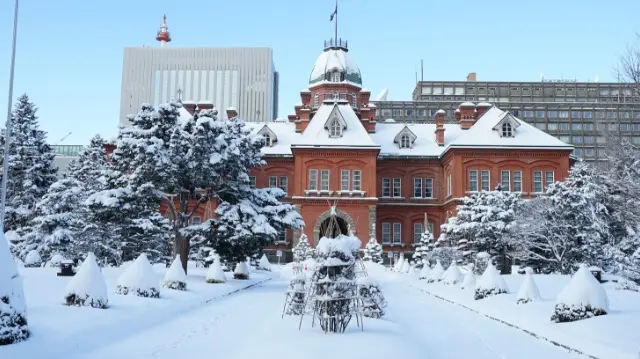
175 277
241 271
583 297
139 279
406 267
13 308
215 274
32 259
264 263
436 273
399 264
528 291
424 272
469 280
88 287
452 275
490 283
55 260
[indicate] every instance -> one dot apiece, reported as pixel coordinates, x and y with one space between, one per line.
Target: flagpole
336 25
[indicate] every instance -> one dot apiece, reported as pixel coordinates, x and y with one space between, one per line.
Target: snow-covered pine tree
175 277
31 168
88 287
446 255
490 283
584 297
528 290
372 299
422 248
139 279
57 224
13 308
302 251
373 249
90 166
215 274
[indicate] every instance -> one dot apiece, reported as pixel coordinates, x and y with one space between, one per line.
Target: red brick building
333 150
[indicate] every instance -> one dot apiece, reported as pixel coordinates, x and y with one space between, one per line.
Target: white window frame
252 181
397 233
449 185
195 220
282 237
335 76
537 183
356 180
473 184
397 187
273 181
345 180
284 183
267 140
517 182
505 186
325 179
417 187
482 181
316 100
354 99
417 232
428 184
313 179
507 129
546 177
387 181
386 233
405 141
335 128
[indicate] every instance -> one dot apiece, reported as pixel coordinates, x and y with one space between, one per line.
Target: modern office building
580 113
64 155
240 77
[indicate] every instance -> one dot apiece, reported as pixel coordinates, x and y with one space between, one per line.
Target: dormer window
267 140
335 95
335 76
335 128
405 141
269 136
507 130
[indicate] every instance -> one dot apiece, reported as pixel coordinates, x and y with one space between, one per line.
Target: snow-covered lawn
56 328
609 336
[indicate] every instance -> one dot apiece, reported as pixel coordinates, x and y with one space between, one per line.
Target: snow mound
452 275
264 263
175 277
32 259
55 260
425 272
490 283
584 297
528 291
406 267
215 274
342 247
399 264
88 287
436 273
13 308
139 279
241 271
469 280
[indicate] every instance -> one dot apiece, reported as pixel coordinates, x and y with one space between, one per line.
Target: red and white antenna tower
163 34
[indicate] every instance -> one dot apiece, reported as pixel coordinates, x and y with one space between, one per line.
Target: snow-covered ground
608 336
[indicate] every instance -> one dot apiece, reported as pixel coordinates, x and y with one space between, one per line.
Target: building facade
382 177
240 77
580 113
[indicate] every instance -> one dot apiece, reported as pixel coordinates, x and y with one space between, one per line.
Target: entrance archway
341 228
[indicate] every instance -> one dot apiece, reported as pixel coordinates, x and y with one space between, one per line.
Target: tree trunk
182 248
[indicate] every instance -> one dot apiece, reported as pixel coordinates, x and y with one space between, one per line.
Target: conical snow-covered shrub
295 295
241 271
399 264
372 298
436 273
425 271
406 267
55 260
13 308
452 275
584 297
88 287
490 283
175 277
528 290
215 273
469 280
32 259
249 268
264 263
139 279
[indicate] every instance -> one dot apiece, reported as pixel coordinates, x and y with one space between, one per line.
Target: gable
405 132
507 123
334 116
266 131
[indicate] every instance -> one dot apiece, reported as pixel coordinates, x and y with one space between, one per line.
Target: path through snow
249 325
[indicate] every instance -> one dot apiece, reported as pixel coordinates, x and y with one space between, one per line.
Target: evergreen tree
422 248
90 166
373 249
31 168
302 250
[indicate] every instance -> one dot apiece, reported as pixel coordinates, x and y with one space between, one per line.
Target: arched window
267 139
507 131
335 76
355 100
335 128
316 98
405 141
336 95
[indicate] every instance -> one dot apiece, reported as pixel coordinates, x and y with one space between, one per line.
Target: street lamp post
7 132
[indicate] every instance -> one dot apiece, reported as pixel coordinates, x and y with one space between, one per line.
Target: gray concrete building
64 155
580 113
240 77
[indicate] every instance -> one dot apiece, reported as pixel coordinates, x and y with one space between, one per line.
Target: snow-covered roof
335 59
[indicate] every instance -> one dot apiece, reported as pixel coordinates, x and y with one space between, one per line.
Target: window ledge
423 198
393 244
351 193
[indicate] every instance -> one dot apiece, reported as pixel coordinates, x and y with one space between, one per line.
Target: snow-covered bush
469 280
528 290
264 264
55 260
13 309
406 267
373 249
372 298
32 259
452 275
175 277
584 297
241 271
436 273
296 295
215 273
446 255
628 285
480 262
88 287
425 271
490 283
302 250
139 279
397 267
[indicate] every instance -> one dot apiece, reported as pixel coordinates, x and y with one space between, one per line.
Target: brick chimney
457 115
481 108
305 96
190 106
232 113
440 116
467 115
205 105
471 77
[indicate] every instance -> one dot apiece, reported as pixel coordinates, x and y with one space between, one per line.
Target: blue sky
69 56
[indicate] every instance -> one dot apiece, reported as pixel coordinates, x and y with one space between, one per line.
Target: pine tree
373 249
31 168
90 166
302 250
422 248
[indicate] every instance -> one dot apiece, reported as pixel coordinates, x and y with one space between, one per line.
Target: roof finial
163 34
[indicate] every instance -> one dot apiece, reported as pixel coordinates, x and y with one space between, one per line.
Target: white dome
335 59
